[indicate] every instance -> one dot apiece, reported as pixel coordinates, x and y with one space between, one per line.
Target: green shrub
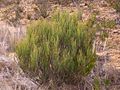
115 4
63 2
108 24
102 27
43 7
96 84
59 49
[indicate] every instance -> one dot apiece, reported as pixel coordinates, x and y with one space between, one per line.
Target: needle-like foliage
59 49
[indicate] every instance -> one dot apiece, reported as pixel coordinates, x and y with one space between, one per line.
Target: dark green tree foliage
59 49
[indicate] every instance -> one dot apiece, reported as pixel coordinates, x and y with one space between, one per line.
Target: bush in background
59 49
63 2
115 4
43 7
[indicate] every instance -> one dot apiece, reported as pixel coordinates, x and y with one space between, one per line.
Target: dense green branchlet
59 49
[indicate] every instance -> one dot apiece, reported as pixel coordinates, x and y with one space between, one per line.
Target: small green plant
105 24
43 7
59 49
64 2
108 24
107 82
103 35
96 84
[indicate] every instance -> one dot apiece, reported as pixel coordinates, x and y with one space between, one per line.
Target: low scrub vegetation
115 4
43 7
59 49
63 2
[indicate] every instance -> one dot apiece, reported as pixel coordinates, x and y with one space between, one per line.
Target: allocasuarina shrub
59 49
